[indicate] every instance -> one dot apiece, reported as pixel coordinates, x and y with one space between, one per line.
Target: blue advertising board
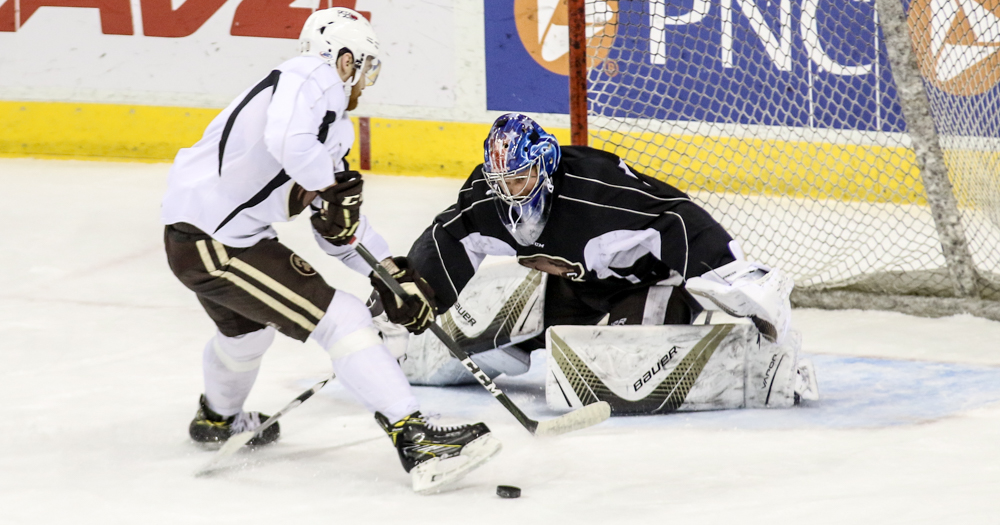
800 63
514 80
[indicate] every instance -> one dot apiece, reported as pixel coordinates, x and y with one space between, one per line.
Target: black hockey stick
236 442
580 418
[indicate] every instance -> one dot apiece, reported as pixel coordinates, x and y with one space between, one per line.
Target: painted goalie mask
520 158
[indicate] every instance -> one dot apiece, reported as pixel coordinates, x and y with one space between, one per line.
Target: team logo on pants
301 266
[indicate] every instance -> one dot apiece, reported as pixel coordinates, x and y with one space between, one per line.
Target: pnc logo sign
543 26
958 43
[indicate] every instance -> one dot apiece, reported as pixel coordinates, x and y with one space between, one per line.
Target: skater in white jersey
277 150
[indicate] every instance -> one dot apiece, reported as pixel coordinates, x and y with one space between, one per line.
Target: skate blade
224 451
433 475
809 389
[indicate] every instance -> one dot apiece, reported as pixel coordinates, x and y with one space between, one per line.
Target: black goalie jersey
610 230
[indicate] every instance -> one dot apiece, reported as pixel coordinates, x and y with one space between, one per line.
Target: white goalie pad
662 369
501 306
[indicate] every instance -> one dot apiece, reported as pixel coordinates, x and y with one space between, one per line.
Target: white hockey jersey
288 133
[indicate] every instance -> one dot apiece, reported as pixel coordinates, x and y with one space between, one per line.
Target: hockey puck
508 491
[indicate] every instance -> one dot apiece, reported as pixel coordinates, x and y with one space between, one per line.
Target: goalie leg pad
429 363
502 306
648 369
771 372
662 369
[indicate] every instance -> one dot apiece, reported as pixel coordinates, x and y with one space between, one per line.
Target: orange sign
957 43
543 26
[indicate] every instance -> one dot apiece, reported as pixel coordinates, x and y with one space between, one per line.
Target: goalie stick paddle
237 442
580 418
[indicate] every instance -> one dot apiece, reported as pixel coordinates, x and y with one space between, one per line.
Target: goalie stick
575 420
236 442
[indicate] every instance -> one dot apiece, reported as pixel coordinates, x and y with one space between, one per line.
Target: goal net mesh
781 117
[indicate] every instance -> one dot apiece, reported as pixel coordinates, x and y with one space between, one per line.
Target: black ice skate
210 427
436 456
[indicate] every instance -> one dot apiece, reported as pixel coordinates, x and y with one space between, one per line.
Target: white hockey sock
230 366
374 378
362 363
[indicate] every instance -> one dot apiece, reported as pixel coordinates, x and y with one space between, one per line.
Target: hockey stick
580 418
236 442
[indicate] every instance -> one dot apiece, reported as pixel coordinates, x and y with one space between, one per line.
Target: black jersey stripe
636 190
258 198
324 127
619 208
472 186
453 219
269 81
444 266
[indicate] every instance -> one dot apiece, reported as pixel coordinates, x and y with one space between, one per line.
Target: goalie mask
520 158
329 33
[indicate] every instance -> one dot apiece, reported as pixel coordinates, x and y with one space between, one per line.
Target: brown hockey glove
338 219
415 314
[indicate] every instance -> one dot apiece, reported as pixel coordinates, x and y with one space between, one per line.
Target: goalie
598 243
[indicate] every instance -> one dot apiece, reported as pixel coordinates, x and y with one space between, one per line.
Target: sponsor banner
958 49
800 63
205 52
519 75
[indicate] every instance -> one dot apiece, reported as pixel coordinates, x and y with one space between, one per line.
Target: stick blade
227 449
580 418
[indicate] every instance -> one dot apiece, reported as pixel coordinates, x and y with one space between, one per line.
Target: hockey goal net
786 119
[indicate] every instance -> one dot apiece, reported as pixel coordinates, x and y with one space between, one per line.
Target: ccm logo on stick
482 377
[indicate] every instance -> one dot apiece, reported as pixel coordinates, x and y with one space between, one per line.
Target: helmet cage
371 75
525 219
499 182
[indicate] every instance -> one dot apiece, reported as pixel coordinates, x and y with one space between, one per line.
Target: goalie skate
436 457
743 289
806 386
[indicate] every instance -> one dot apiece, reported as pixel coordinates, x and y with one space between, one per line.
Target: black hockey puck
508 491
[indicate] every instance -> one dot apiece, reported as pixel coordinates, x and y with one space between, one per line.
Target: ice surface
100 372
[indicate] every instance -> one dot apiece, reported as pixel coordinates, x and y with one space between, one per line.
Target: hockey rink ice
100 371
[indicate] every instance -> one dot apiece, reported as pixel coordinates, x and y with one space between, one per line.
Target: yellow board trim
99 130
747 166
453 149
438 149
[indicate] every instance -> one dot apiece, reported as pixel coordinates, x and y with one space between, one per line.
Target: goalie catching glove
338 219
415 314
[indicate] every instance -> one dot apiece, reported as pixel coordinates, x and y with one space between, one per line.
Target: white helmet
328 31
